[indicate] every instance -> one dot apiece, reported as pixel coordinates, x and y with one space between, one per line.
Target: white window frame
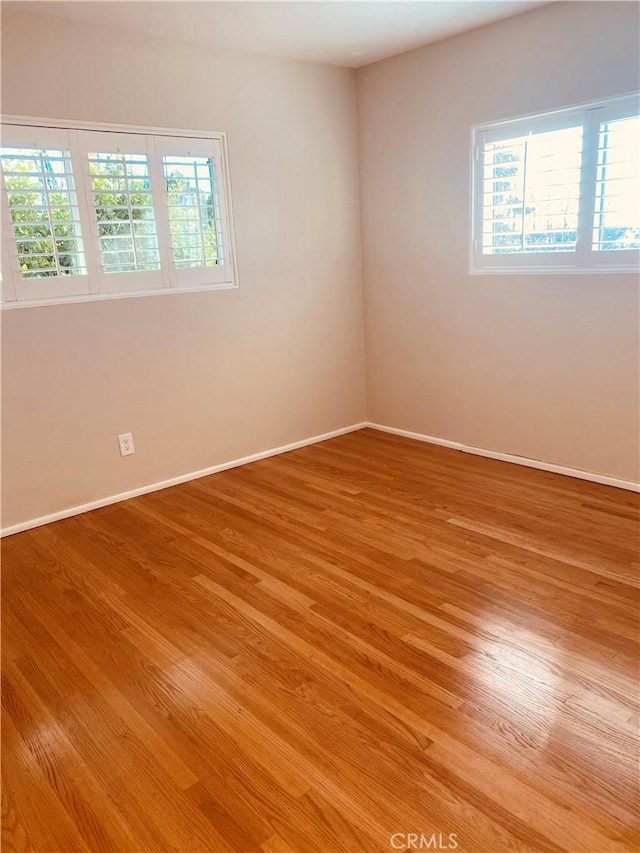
79 138
583 259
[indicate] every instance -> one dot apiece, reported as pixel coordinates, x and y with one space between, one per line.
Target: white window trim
168 284
569 263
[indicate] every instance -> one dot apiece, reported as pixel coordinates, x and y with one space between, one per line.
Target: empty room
320 394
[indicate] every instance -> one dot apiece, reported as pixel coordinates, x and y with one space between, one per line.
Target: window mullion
203 241
159 198
588 179
222 199
88 218
10 262
525 160
52 230
127 186
477 165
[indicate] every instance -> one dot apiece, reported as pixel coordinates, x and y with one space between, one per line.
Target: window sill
103 297
602 270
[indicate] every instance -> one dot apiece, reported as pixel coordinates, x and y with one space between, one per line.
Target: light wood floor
326 651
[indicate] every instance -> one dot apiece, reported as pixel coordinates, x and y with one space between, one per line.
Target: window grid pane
122 200
44 212
194 214
530 193
616 223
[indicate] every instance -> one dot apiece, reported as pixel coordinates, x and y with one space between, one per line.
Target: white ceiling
341 32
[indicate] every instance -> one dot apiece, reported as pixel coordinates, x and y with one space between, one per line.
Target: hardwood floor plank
14 835
75 782
44 817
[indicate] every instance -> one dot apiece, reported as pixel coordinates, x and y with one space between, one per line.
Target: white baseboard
235 463
508 457
174 481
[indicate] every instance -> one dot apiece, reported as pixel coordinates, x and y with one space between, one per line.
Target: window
124 212
616 225
197 210
558 192
89 214
44 211
192 204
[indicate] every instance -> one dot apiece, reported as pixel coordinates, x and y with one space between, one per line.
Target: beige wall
198 378
541 366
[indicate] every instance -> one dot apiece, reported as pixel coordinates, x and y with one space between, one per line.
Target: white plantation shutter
44 212
196 208
616 224
45 253
124 208
558 192
123 195
97 213
531 192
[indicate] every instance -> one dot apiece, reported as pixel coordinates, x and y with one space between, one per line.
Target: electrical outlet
126 444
